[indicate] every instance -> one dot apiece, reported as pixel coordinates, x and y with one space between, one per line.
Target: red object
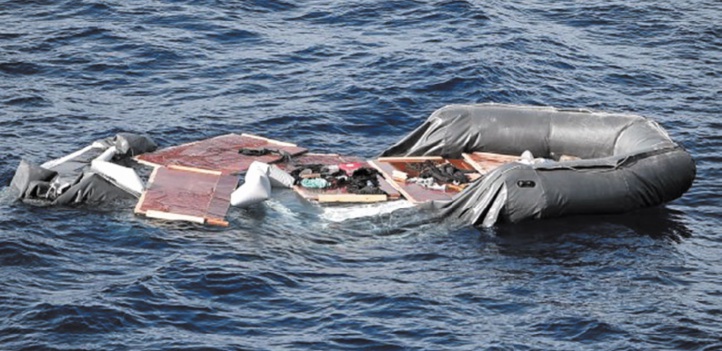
350 167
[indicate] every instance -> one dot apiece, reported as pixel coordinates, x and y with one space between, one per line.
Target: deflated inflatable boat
93 174
621 162
587 162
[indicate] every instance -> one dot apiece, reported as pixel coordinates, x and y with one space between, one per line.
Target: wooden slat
410 191
351 198
485 162
216 222
174 216
197 170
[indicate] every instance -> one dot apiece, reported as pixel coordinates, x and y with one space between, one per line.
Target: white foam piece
256 187
344 213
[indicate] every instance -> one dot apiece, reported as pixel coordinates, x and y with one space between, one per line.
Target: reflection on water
657 222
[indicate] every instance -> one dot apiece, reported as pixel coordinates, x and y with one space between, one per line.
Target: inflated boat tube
627 161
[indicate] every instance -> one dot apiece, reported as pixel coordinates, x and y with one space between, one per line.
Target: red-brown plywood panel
334 159
412 191
221 200
219 153
188 194
485 162
314 194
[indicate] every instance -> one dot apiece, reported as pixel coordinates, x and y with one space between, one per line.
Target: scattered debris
423 179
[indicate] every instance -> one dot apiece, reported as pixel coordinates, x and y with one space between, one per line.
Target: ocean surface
353 77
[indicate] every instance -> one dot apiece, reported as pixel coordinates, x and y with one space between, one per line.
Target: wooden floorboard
485 162
219 153
187 195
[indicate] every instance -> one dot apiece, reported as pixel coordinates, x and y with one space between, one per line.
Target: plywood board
485 162
415 193
337 195
219 153
187 195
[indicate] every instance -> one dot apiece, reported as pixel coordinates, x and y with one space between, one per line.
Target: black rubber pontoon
627 161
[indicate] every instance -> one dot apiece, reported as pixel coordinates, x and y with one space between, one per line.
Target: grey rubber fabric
131 145
627 161
71 181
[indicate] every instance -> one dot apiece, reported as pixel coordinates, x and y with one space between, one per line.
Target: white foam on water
344 213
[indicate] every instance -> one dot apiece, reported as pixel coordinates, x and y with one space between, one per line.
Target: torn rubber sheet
221 153
399 170
340 194
178 193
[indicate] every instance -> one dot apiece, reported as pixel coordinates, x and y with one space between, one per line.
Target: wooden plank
216 222
187 195
197 170
485 162
314 194
174 216
219 153
413 192
407 190
479 168
352 198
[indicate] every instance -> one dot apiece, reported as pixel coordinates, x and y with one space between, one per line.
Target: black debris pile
444 173
362 181
262 151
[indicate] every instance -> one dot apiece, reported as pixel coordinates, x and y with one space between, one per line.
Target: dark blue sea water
352 77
